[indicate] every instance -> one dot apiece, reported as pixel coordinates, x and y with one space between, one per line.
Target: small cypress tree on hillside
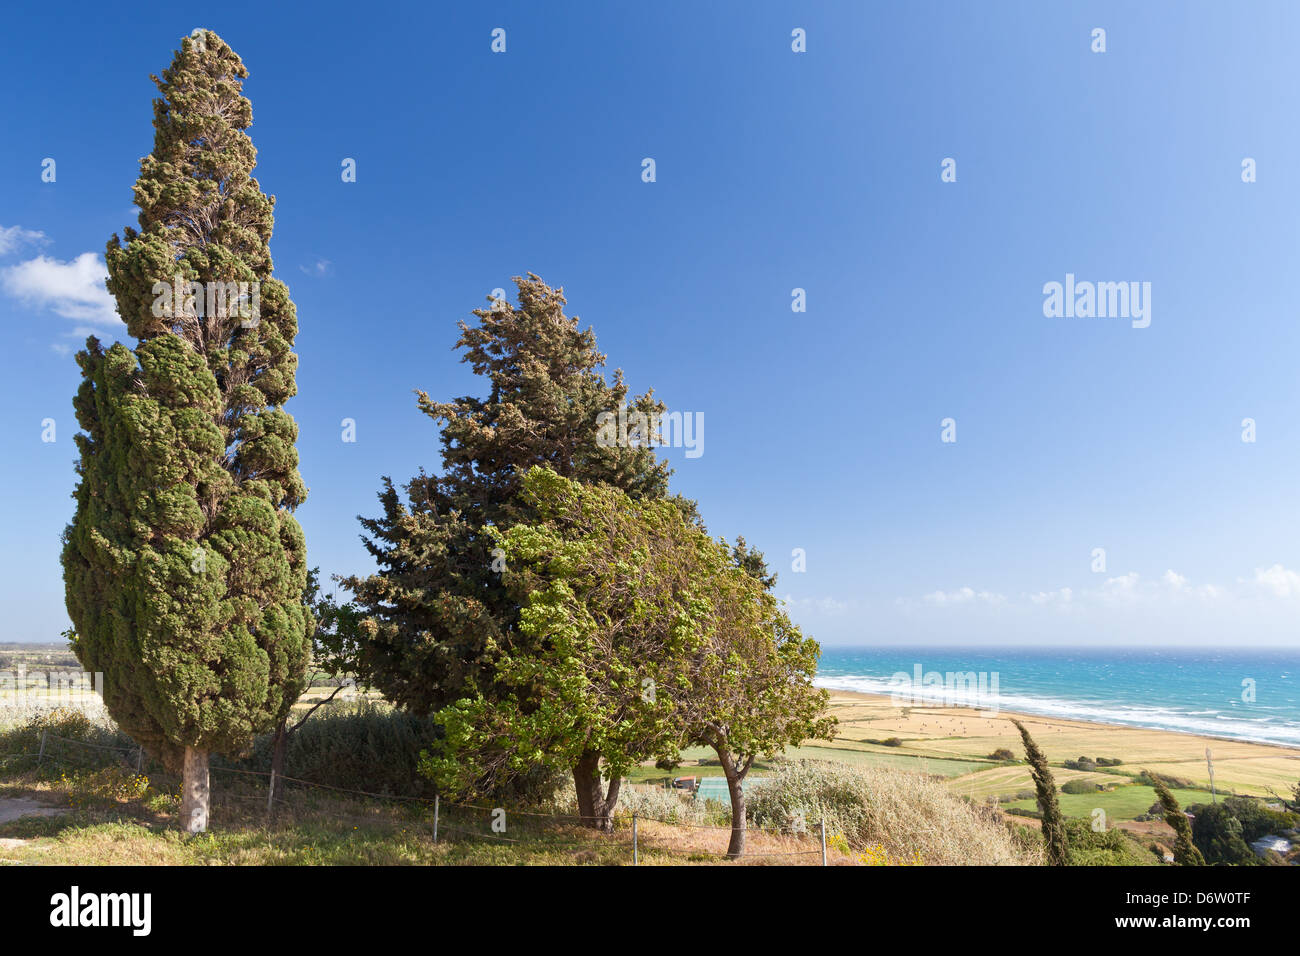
183 566
1054 835
1185 851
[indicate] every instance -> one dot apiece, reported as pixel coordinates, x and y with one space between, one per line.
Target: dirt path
11 808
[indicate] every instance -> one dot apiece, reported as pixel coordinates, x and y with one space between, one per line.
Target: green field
1122 803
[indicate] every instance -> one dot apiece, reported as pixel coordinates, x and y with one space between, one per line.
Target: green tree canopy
437 612
614 604
638 634
184 568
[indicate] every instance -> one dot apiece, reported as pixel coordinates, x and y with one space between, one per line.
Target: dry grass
905 817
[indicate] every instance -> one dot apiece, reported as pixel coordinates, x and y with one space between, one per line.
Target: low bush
110 785
1018 795
660 803
1173 783
1108 847
886 811
73 742
369 747
1079 786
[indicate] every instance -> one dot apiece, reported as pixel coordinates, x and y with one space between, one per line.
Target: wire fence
247 797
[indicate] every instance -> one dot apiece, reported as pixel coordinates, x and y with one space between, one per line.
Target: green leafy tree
615 605
1054 835
1220 837
437 611
183 565
751 560
752 694
1257 820
750 689
1185 851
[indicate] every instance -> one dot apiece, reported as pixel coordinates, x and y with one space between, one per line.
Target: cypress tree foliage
1045 785
437 608
1185 851
184 568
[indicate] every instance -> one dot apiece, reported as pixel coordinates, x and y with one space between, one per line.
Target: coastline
1082 722
959 741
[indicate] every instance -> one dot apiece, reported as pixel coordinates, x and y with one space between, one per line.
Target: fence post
636 859
41 756
435 818
823 829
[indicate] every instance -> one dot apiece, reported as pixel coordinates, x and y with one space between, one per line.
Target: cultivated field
956 743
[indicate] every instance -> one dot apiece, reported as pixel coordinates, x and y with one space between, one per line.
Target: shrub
1002 753
660 803
373 748
1110 847
73 742
1018 795
886 811
1079 786
1258 820
369 747
1146 778
1218 835
107 786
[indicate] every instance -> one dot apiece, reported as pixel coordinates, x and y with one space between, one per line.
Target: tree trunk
279 744
595 804
736 790
194 791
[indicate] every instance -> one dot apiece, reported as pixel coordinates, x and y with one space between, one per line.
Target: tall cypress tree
1058 845
183 565
1185 851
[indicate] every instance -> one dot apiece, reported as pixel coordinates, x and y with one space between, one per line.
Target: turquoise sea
1240 694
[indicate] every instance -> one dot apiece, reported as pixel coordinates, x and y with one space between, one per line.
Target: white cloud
13 237
1279 580
1122 582
1174 580
319 268
1060 596
823 605
74 290
963 596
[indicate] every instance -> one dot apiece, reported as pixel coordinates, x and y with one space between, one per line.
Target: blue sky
775 170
